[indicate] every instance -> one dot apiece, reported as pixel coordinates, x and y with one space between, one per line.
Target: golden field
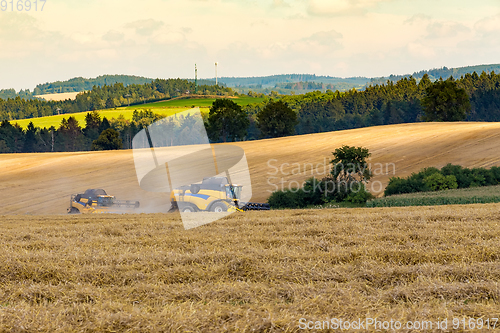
250 272
59 96
42 183
255 271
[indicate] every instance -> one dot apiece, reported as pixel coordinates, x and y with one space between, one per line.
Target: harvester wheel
219 207
188 209
74 210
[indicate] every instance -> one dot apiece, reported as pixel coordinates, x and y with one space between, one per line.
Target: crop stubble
255 271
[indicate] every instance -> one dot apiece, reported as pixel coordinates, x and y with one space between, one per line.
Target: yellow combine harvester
214 194
98 201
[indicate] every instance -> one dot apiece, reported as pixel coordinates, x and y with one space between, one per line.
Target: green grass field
486 194
165 108
199 102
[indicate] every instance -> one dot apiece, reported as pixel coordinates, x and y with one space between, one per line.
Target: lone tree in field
108 140
349 162
349 174
226 120
276 119
445 101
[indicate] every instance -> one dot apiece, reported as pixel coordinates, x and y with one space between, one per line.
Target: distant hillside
286 83
283 83
78 84
444 72
302 83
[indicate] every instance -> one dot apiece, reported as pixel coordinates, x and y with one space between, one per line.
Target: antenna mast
216 74
195 79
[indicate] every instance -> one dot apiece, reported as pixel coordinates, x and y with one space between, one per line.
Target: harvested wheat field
250 272
59 96
42 183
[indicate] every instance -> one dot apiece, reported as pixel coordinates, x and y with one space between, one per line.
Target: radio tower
216 74
195 79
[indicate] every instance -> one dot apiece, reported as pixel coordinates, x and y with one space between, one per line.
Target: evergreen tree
30 138
70 136
104 125
276 120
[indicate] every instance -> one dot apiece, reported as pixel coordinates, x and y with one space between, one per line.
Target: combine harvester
214 194
97 201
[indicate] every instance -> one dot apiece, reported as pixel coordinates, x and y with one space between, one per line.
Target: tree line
472 97
105 97
97 133
393 103
448 177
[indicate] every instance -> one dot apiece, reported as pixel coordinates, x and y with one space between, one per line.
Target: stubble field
250 272
43 183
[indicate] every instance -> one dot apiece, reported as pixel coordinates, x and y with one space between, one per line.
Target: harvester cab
214 194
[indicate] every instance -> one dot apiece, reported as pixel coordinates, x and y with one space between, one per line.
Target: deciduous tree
108 140
445 101
276 119
226 121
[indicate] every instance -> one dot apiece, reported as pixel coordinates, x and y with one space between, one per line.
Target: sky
165 38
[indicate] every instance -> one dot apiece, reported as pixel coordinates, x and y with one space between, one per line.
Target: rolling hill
166 107
42 183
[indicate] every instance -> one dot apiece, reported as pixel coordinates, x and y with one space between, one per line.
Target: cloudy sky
165 38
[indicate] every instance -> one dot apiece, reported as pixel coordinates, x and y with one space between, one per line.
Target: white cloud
419 50
168 38
113 36
164 38
446 29
488 25
319 43
145 27
341 7
418 19
280 4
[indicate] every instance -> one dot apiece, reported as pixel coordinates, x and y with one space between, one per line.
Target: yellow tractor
214 194
98 201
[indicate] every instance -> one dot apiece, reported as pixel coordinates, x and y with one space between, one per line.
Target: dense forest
389 103
80 84
436 73
106 97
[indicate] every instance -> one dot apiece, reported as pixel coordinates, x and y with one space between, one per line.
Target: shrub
359 195
316 192
463 177
312 192
400 185
438 182
284 199
109 139
495 173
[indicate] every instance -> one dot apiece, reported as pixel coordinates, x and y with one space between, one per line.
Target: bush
284 199
428 179
315 192
312 192
400 185
109 139
438 182
360 195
